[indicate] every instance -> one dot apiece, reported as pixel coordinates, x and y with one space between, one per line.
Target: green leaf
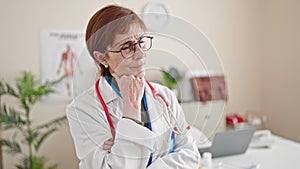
20 166
26 85
25 163
30 137
54 166
170 82
52 83
10 118
53 123
2 89
43 137
47 87
51 127
13 147
7 89
171 77
31 91
25 105
37 163
11 91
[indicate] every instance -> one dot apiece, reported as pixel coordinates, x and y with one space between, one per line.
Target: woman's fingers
106 148
137 89
108 145
141 86
131 89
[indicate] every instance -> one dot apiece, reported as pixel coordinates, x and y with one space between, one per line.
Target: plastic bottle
206 161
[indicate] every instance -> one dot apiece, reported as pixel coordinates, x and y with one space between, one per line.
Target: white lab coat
133 142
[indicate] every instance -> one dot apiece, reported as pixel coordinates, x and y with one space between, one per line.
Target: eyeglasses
129 48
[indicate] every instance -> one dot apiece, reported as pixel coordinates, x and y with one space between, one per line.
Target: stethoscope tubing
108 117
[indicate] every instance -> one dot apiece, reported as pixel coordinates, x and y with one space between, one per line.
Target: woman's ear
99 57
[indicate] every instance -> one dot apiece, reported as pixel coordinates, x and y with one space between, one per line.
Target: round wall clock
155 15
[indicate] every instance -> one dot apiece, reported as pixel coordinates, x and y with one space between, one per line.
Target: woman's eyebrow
120 44
128 41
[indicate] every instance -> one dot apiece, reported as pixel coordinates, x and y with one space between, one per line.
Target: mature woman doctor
121 122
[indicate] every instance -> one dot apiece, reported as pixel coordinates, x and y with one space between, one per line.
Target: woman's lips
139 65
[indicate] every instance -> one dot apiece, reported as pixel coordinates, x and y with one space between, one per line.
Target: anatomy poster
60 53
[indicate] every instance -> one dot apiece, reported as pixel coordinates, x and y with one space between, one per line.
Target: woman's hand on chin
140 74
132 90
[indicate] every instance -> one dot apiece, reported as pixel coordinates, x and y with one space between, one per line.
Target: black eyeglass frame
133 45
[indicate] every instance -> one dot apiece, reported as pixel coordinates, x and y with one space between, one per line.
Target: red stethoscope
157 96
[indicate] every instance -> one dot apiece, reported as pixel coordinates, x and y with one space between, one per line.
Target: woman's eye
125 47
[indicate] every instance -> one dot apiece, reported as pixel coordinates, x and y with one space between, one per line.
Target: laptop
230 142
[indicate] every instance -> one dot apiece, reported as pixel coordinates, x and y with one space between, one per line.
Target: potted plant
171 78
27 137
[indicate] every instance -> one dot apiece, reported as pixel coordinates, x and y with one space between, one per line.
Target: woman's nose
139 52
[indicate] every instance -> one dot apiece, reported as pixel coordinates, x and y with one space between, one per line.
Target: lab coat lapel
111 99
107 91
159 125
156 110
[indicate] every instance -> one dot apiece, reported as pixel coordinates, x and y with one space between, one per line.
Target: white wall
234 27
20 25
281 82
